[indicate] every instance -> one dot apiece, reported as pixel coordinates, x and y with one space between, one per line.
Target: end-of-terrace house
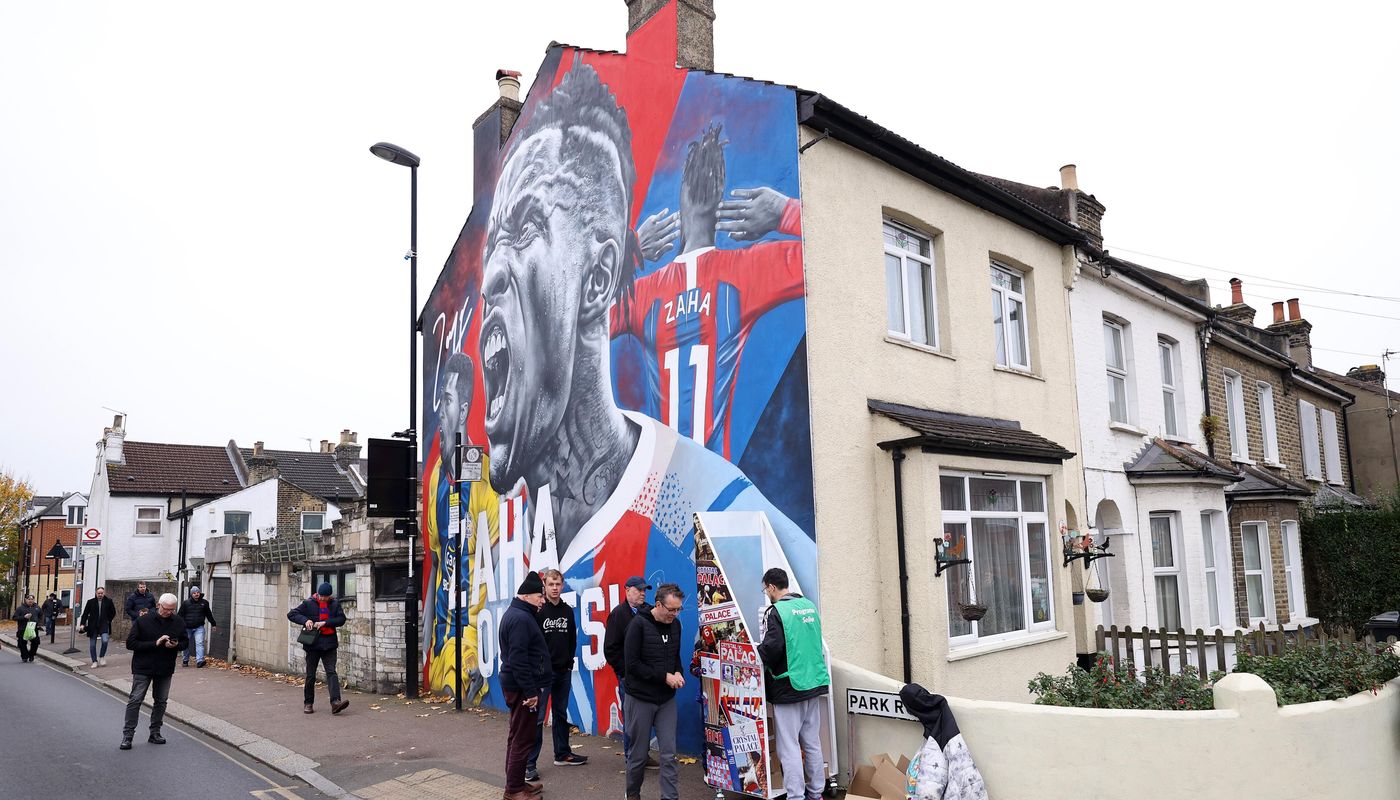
48 521
156 504
1271 416
1371 429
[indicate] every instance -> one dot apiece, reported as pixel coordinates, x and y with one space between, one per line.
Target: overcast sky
193 231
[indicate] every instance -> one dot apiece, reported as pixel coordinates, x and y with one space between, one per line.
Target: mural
621 324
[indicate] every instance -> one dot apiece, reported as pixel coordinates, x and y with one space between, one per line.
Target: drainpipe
1203 337
184 534
897 455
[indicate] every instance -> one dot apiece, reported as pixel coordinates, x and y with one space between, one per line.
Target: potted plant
1096 594
972 611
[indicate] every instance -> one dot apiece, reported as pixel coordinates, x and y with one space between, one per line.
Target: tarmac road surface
59 737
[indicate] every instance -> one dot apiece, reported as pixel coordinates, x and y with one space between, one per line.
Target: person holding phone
155 641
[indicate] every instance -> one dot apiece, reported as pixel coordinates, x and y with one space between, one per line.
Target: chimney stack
687 30
1278 312
508 80
1237 310
1368 373
261 466
1298 331
1068 178
113 440
348 451
491 130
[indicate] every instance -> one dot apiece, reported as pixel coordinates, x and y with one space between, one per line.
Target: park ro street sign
91 537
876 704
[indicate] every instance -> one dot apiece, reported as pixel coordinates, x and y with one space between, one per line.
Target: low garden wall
1247 747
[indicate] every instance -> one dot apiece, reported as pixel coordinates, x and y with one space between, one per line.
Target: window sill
1179 440
974 650
1274 464
1246 461
922 348
1123 427
1016 371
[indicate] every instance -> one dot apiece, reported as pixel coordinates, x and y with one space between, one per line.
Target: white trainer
94 665
102 661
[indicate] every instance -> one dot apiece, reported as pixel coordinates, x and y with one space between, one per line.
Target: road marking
284 792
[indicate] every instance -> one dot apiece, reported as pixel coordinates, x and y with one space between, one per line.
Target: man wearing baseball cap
615 634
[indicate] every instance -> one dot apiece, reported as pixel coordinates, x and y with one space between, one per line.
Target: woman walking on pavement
28 616
98 614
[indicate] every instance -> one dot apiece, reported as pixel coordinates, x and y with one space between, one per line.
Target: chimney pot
1293 312
1068 178
1278 312
257 448
117 422
1236 291
345 436
325 445
508 80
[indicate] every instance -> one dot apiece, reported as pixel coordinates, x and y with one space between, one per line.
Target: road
59 739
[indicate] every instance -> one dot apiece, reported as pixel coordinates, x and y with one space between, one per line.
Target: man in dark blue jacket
525 672
139 602
322 613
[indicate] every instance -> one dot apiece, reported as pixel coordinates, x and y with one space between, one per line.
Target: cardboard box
882 779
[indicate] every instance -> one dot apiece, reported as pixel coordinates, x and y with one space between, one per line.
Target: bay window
1000 523
1166 570
1258 580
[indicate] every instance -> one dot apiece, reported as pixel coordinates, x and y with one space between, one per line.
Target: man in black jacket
322 613
615 634
52 608
154 641
195 612
139 602
96 622
560 630
524 675
652 657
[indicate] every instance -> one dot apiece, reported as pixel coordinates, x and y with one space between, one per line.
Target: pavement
383 747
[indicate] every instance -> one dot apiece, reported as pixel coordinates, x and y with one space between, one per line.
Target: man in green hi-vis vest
798 681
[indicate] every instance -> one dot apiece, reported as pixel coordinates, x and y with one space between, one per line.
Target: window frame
159 520
1236 425
247 518
82 516
1211 569
1004 296
336 578
1265 571
302 523
378 577
930 291
1173 410
1268 421
1024 519
1289 530
1122 373
1173 571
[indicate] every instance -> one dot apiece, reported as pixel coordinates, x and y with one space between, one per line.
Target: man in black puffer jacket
195 612
652 657
524 674
154 642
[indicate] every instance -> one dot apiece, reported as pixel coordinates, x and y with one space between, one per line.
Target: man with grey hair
155 642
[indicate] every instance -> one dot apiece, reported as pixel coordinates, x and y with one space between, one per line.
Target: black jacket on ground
146 657
195 612
310 609
94 622
652 650
34 614
773 651
137 601
615 634
560 634
524 657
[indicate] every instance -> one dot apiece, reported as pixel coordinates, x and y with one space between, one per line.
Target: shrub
1353 563
1323 672
1110 685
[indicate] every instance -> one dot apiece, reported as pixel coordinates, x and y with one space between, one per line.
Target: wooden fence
1209 652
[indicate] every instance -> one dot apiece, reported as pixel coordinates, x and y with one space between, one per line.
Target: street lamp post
397 155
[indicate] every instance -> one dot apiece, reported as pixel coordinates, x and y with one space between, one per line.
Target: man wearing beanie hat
195 612
524 673
322 613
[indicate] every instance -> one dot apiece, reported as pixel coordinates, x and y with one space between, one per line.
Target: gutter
897 457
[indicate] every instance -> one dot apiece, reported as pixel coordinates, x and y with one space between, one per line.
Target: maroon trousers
521 738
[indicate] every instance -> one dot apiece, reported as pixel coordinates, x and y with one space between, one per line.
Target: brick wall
291 503
1273 513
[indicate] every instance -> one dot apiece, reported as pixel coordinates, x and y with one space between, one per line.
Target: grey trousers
140 684
638 720
798 730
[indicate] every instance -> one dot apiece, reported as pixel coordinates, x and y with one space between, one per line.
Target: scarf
325 615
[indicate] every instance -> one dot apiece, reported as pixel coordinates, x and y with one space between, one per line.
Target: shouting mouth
495 357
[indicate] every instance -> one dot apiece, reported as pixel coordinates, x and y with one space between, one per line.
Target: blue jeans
196 645
558 695
92 644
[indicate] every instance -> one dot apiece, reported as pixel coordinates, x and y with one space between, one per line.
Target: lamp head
394 154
